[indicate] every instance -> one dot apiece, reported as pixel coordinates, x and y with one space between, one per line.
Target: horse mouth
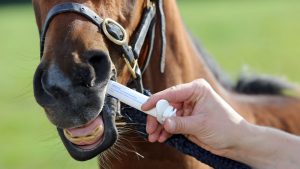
84 117
91 139
88 136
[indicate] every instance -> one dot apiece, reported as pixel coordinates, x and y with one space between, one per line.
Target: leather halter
117 34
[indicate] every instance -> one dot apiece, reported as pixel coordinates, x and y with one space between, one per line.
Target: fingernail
170 125
143 107
151 139
145 104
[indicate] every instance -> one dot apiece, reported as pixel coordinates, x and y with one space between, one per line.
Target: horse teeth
89 137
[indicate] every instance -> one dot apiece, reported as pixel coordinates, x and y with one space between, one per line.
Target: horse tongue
88 134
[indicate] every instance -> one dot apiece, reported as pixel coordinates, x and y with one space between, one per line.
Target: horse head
77 61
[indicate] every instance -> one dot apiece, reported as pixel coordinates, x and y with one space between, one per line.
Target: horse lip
110 135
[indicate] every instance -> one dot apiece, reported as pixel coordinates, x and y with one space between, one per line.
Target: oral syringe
162 111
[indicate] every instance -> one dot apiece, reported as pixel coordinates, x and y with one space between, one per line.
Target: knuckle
173 88
202 86
153 99
203 83
180 126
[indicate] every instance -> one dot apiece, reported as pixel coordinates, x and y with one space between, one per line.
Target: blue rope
182 144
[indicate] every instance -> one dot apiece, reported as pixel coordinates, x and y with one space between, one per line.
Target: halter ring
109 36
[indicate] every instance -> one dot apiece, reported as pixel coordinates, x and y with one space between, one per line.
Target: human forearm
266 148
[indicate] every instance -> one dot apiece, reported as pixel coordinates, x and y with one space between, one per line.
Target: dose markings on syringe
120 91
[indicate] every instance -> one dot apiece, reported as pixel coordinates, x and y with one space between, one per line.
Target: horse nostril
84 75
101 65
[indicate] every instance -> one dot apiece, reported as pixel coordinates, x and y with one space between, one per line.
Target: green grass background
263 35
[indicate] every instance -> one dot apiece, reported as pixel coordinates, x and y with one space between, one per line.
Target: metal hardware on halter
118 35
131 68
111 37
150 4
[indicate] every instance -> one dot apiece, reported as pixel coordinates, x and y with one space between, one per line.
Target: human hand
202 116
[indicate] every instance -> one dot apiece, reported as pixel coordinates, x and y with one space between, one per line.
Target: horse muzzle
84 115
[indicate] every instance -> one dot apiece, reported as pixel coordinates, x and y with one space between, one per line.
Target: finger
176 105
151 124
179 93
164 136
187 110
181 125
174 94
179 113
155 135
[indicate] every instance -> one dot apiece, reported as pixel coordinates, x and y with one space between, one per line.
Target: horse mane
247 83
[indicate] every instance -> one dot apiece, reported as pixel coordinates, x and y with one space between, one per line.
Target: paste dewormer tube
135 99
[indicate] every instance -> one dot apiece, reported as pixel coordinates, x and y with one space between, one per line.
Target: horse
78 59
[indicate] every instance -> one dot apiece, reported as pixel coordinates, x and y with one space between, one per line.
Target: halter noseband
118 35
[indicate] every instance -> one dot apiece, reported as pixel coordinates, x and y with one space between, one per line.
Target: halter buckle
132 68
105 24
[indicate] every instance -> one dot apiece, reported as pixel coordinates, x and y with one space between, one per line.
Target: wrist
252 146
264 147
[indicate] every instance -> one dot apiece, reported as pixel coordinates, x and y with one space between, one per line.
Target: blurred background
262 36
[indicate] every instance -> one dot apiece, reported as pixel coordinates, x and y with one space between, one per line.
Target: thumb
179 125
